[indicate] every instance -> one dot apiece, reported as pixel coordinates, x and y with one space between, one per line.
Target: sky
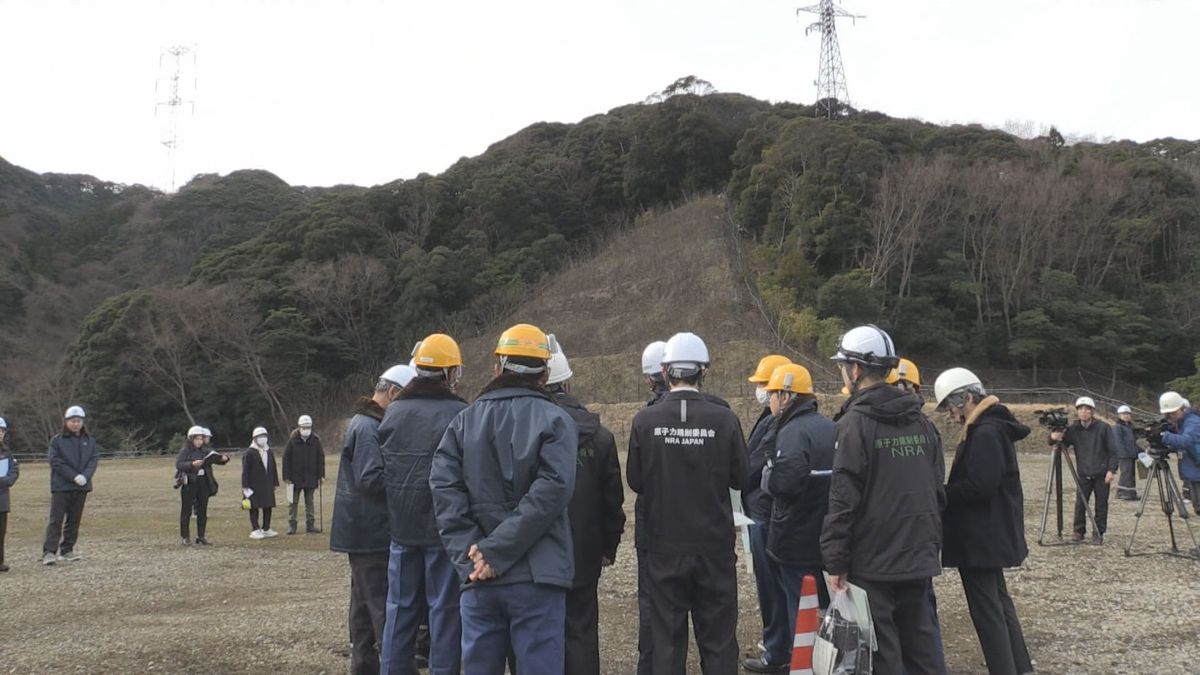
365 92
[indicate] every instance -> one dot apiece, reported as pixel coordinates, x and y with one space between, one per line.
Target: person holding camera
1185 439
1127 452
1096 461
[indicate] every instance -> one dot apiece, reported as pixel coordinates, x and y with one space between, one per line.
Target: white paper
3 467
291 493
824 657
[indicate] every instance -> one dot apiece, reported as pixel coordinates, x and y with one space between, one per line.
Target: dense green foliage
241 300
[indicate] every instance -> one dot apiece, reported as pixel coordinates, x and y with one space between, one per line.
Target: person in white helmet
1127 453
883 530
685 454
73 456
304 470
1095 448
984 521
9 472
259 480
359 527
1185 438
196 483
652 370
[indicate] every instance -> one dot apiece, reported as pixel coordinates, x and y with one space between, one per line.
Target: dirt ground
139 602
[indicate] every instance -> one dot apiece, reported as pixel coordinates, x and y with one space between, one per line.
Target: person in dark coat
597 518
360 520
73 457
685 455
422 581
1127 454
304 470
1096 453
502 478
9 472
757 504
259 480
984 522
883 530
798 479
197 483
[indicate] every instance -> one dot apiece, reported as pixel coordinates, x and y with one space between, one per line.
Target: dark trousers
788 581
903 627
772 601
422 582
194 496
1194 490
3 531
705 587
1089 485
583 630
996 622
524 619
939 647
368 597
69 506
266 519
1127 484
310 514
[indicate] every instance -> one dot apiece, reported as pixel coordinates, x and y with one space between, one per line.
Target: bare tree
344 296
162 345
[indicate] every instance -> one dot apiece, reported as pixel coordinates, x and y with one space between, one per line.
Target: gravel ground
139 602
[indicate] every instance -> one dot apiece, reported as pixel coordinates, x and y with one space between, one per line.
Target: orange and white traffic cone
806 628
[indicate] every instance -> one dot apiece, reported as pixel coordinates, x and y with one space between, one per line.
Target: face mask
305 433
261 442
763 396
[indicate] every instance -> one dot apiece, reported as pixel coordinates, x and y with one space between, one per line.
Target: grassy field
139 602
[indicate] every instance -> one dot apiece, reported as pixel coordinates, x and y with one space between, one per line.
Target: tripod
1054 484
1169 498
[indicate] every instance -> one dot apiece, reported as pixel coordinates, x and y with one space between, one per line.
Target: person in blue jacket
73 455
502 479
1186 439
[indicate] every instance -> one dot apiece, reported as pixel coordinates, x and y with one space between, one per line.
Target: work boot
201 541
291 528
312 528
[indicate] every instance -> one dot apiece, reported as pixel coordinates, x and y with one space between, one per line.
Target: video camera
1152 430
1055 419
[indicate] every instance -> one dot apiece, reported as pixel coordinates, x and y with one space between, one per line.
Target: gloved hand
246 492
80 480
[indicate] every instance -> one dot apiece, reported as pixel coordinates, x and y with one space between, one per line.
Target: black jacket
756 501
360 511
190 474
502 479
262 480
886 496
410 432
1095 447
685 454
597 516
660 392
304 460
1127 447
71 455
984 522
14 472
803 445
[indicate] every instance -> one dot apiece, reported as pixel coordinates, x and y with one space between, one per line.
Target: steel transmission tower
832 96
173 80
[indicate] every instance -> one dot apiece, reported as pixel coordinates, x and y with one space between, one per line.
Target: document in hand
3 467
291 493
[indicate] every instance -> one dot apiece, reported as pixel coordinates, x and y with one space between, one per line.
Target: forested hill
241 299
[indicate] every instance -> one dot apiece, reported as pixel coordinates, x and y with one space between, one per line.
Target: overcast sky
365 92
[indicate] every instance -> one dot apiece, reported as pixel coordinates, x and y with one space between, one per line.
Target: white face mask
764 397
261 442
305 433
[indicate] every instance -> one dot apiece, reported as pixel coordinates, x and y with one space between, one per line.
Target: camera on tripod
1055 419
1151 430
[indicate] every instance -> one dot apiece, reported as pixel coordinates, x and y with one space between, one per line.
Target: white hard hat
685 348
258 431
196 431
652 358
304 421
3 423
74 411
868 345
559 368
207 432
1122 409
1170 402
951 381
399 375
1085 400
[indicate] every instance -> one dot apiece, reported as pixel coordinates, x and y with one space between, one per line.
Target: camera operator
1127 452
1096 456
1185 438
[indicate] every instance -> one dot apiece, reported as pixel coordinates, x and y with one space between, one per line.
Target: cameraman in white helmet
1096 461
1185 439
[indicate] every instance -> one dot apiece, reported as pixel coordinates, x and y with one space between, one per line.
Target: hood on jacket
508 385
366 405
991 412
428 387
884 403
587 421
